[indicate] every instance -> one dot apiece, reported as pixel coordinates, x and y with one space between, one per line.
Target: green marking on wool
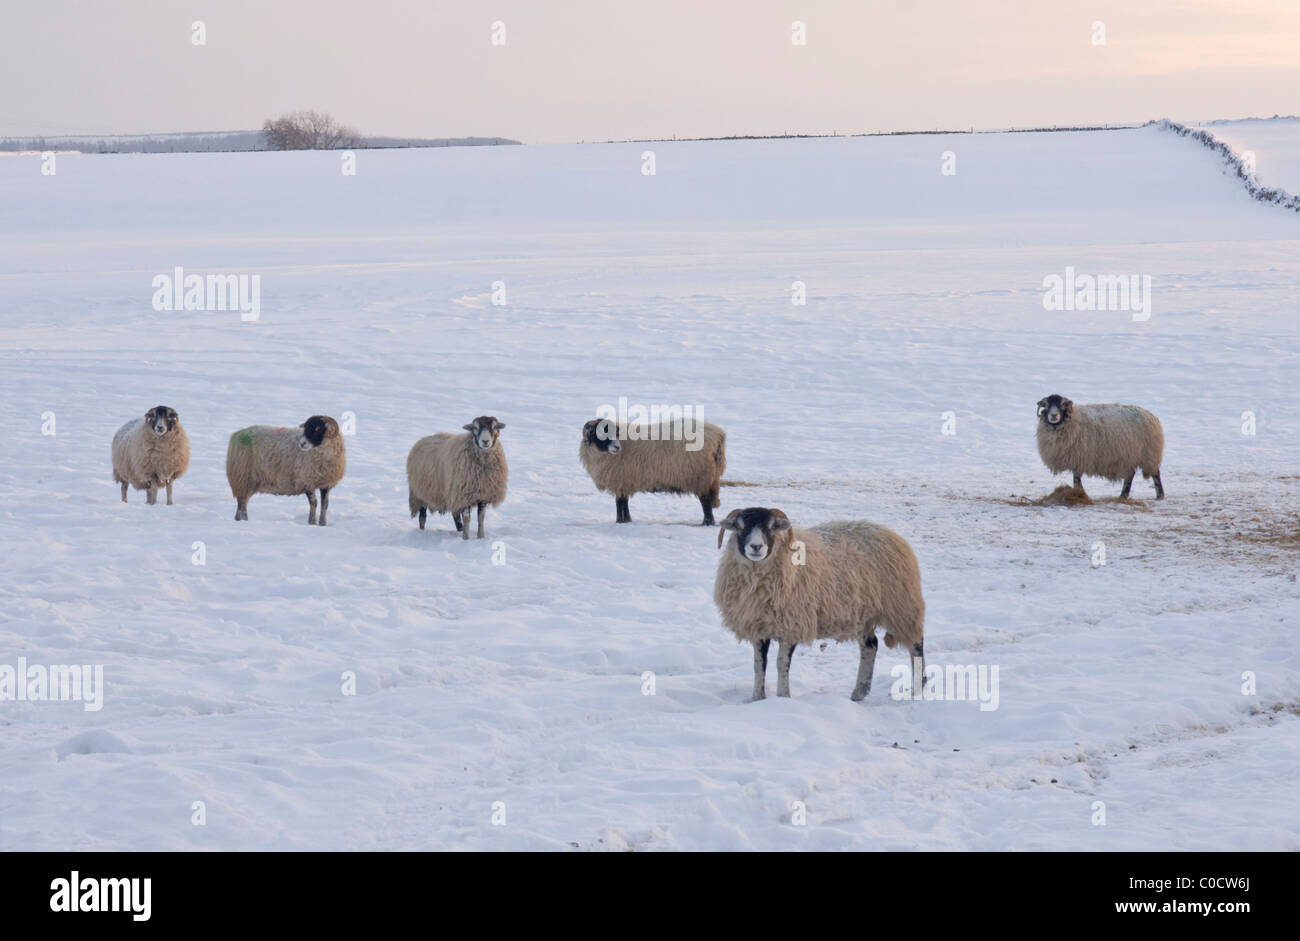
242 438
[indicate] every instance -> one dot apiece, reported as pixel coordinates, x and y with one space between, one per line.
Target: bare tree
308 130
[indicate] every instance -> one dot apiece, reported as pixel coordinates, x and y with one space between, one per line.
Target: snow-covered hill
524 683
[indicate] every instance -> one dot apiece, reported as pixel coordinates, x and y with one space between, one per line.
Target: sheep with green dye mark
285 461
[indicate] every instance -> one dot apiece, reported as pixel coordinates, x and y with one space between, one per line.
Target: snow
1275 142
522 683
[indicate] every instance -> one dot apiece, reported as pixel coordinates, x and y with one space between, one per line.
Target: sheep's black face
1054 410
755 528
314 432
161 419
484 430
601 434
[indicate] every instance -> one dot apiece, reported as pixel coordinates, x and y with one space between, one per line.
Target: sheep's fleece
143 458
854 574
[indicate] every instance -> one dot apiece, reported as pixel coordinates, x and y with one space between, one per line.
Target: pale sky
612 69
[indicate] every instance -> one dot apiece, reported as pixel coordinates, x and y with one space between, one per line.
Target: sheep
626 459
285 461
1110 441
151 452
837 581
453 473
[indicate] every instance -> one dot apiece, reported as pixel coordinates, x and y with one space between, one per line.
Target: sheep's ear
498 425
780 523
1042 404
469 427
1066 405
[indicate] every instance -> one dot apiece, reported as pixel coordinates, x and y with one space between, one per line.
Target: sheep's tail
890 640
414 503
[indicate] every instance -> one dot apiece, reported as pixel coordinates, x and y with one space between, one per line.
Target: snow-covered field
521 685
1272 141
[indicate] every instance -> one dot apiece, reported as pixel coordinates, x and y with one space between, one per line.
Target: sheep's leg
1078 481
124 486
241 508
1128 483
482 508
918 668
1160 488
783 668
152 490
424 514
311 502
464 533
624 515
455 518
706 501
324 503
760 669
866 664
169 493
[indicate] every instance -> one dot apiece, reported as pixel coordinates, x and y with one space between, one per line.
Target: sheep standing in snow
624 460
1111 441
453 473
285 461
151 452
837 581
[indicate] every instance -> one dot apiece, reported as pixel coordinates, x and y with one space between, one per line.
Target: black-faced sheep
1110 441
453 473
628 459
285 461
837 581
151 452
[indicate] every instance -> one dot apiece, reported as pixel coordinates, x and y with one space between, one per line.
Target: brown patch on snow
1065 495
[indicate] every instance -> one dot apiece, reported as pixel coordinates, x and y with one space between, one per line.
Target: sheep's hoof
858 695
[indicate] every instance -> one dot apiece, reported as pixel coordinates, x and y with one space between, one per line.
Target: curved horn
724 528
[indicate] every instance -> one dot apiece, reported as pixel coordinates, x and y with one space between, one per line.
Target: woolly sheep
151 452
1110 441
453 473
285 461
624 460
837 581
